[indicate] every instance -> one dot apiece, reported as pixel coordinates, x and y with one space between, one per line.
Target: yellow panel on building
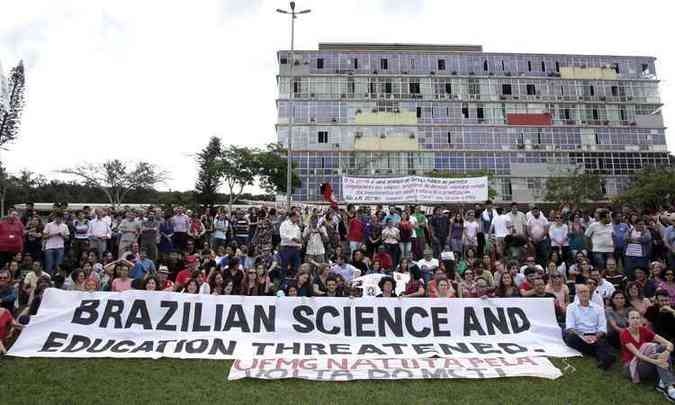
386 118
389 143
569 72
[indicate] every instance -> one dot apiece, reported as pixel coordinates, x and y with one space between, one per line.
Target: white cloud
155 79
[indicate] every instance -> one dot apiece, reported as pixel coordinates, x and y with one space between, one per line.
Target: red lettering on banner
343 364
528 360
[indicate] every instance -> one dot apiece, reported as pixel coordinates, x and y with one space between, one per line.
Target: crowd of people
608 271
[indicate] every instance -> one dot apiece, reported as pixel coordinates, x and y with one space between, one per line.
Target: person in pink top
122 282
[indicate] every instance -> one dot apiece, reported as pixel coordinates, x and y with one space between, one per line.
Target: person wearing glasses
668 284
559 289
586 327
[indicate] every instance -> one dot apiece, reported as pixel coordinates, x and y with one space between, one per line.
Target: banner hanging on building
164 324
414 189
348 369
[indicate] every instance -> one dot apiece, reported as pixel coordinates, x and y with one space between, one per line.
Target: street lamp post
289 163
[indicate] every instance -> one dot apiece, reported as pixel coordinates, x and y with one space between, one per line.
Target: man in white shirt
291 243
99 233
428 265
486 217
181 224
55 235
518 220
601 234
537 230
346 270
586 328
501 227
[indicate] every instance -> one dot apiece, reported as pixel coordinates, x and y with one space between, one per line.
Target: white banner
348 369
165 324
413 189
370 283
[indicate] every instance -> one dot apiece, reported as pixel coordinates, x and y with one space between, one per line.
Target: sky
154 80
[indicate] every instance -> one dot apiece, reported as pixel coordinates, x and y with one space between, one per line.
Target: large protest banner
348 369
164 324
414 189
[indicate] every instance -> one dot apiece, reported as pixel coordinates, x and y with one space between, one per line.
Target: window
622 114
474 87
356 63
567 114
645 68
465 111
485 66
441 64
419 112
384 64
371 87
529 66
319 63
283 60
479 113
595 114
506 89
450 138
414 87
615 91
592 90
448 88
323 136
296 86
543 66
531 90
616 68
557 67
387 87
503 67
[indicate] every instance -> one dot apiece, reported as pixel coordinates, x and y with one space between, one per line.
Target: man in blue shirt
393 215
620 230
586 328
142 267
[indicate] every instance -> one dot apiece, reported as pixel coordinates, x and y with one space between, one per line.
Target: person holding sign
586 328
387 286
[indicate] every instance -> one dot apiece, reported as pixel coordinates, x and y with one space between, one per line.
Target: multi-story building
392 109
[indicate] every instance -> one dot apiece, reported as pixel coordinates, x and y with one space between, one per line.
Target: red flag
327 193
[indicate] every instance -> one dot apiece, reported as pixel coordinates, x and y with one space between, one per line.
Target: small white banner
348 369
370 283
413 189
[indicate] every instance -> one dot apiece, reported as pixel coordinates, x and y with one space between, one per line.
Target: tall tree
272 163
209 177
116 180
238 167
650 188
574 187
12 108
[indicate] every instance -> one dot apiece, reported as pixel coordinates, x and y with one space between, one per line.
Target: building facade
393 109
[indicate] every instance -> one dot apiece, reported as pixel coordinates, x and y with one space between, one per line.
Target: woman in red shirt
7 323
639 365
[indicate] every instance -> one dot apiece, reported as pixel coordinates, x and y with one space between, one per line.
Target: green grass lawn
132 381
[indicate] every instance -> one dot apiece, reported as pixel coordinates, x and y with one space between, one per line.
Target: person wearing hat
165 283
428 265
55 235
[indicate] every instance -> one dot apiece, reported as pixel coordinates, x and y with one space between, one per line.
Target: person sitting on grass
647 355
586 327
8 325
